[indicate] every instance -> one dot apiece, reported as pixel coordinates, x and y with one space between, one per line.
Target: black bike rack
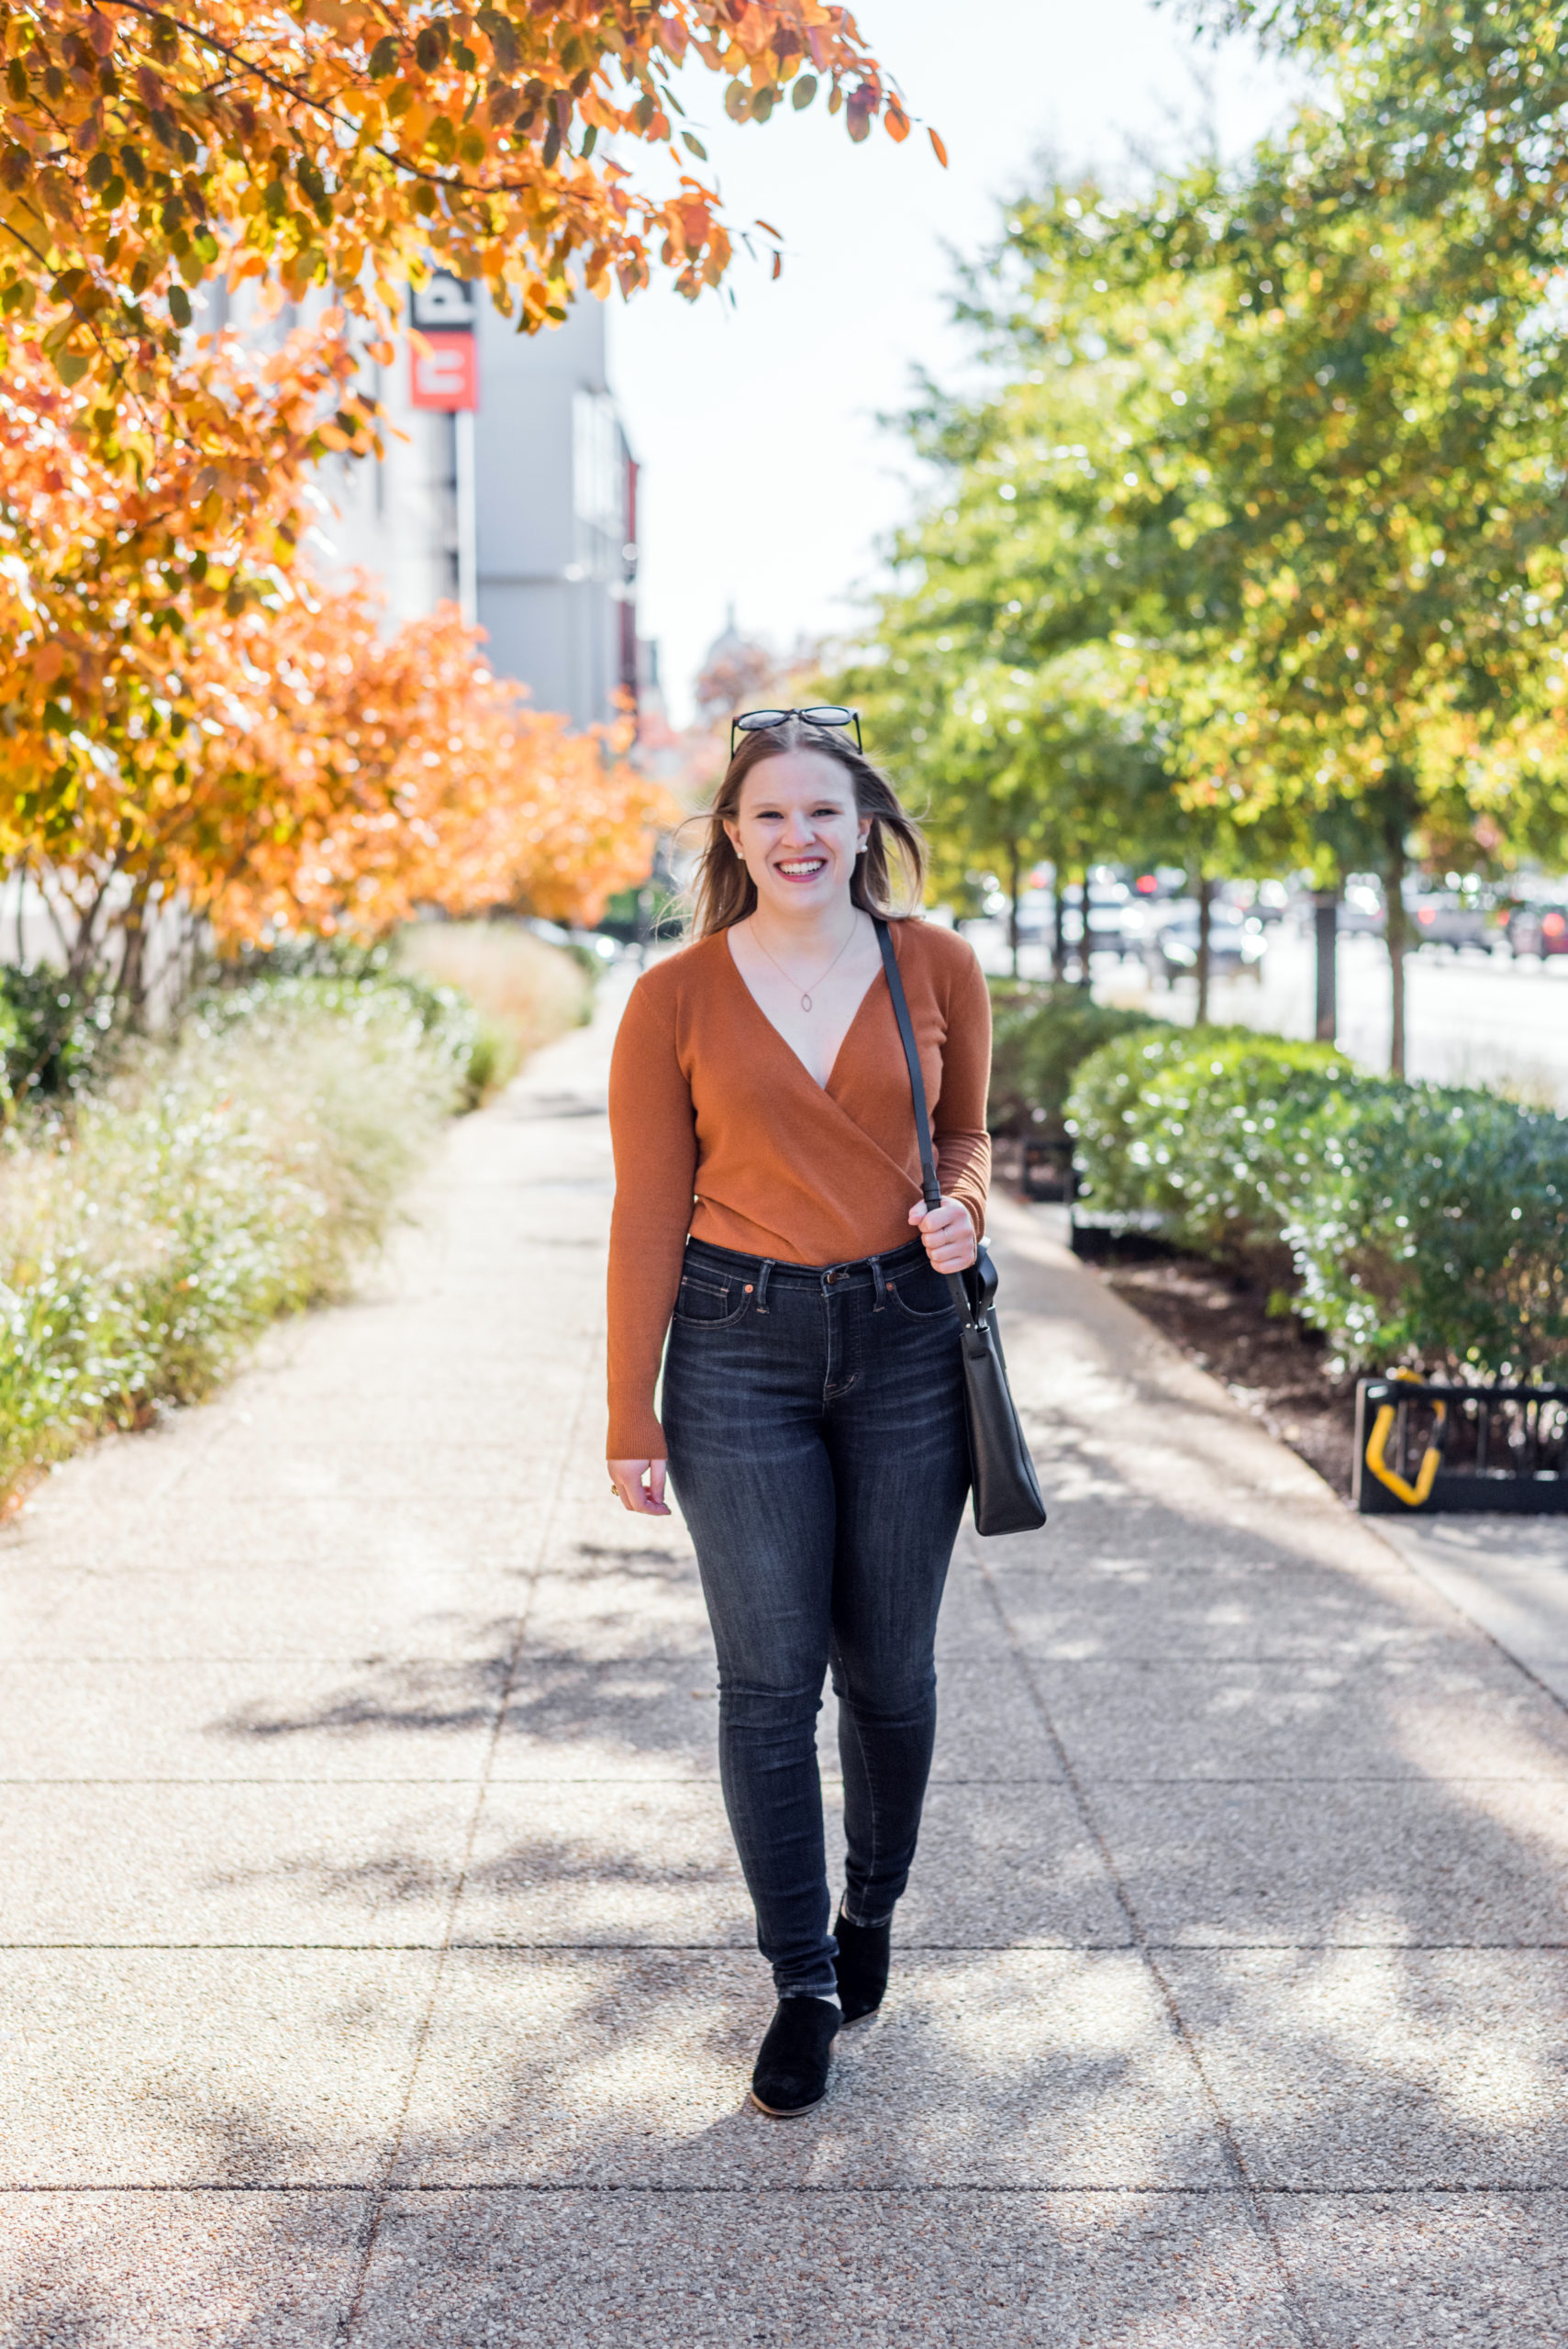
1503 1448
1048 1170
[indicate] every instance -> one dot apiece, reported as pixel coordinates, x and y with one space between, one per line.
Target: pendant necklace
806 993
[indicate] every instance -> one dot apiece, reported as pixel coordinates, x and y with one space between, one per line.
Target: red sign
445 374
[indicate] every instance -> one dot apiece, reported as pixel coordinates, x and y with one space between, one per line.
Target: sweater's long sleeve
654 1135
958 1125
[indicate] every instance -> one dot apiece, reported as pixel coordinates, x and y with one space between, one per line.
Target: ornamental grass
149 1233
525 992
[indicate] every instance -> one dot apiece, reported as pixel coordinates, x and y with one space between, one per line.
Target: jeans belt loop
880 1284
761 1304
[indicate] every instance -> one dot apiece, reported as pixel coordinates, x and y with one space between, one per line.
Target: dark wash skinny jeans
814 1418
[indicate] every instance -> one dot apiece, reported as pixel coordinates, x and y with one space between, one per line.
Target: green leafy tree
1327 499
1028 664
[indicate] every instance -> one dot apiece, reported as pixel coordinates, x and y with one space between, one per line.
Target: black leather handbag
1006 1489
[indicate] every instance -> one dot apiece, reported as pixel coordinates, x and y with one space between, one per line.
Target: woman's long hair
889 879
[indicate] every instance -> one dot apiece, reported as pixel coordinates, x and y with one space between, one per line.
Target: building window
598 470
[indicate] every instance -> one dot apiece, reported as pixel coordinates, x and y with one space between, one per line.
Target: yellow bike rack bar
1431 1459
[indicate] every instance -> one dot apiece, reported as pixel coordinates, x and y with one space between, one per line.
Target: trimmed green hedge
1202 1126
1424 1223
1041 1035
1434 1230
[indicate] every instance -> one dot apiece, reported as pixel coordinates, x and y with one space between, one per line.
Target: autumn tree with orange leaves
216 725
382 776
349 144
183 709
124 550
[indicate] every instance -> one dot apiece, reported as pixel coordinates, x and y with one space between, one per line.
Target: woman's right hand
644 1499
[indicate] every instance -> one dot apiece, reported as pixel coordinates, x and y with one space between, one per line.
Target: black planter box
1508 1447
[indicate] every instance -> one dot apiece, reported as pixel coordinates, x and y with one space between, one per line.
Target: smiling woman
768 1180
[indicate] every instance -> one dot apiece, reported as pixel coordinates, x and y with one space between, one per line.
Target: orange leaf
769 230
938 149
896 120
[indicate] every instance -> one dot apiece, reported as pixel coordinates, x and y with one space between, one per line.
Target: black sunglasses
826 713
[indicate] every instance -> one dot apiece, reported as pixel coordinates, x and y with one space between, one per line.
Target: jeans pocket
923 1295
709 1301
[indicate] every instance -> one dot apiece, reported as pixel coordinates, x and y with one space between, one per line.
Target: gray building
556 496
524 512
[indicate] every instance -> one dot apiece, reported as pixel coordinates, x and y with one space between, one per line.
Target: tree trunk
1326 937
1014 880
131 987
1205 927
1397 936
1057 926
1086 976
84 945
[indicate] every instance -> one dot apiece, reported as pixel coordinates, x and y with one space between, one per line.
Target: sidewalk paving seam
1411 1778
349 2318
743 1949
1231 2152
758 2191
1429 1582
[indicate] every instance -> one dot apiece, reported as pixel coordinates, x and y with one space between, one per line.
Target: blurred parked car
1109 932
1106 916
1235 942
1537 929
1164 881
1451 918
1268 900
1361 908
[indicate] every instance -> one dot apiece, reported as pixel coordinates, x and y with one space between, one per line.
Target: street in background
1476 1017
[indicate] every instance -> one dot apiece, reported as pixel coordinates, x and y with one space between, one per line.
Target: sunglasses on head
826 713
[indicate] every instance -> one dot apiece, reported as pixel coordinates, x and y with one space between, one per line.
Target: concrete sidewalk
376 1970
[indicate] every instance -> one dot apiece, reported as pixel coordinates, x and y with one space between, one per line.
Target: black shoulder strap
972 1291
928 1183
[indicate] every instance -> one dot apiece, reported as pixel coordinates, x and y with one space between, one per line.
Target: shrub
147 1235
1424 1223
1435 1230
335 967
525 991
1204 1127
1041 1035
55 1038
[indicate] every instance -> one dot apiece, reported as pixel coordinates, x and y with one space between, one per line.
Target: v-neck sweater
721 1132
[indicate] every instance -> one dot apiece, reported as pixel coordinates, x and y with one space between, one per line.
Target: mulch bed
1274 1368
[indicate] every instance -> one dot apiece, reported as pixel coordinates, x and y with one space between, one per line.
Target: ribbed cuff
634 1433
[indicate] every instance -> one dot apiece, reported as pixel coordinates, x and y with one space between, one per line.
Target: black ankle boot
791 2074
862 1966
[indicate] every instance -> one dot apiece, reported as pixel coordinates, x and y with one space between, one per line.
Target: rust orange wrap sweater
720 1132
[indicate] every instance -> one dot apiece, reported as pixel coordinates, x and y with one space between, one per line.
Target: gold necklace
807 993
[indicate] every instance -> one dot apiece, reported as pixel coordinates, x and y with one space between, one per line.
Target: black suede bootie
862 1966
791 2073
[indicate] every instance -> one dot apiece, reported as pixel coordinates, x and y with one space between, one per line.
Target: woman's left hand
949 1234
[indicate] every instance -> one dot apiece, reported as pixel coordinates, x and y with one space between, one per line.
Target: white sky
767 480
